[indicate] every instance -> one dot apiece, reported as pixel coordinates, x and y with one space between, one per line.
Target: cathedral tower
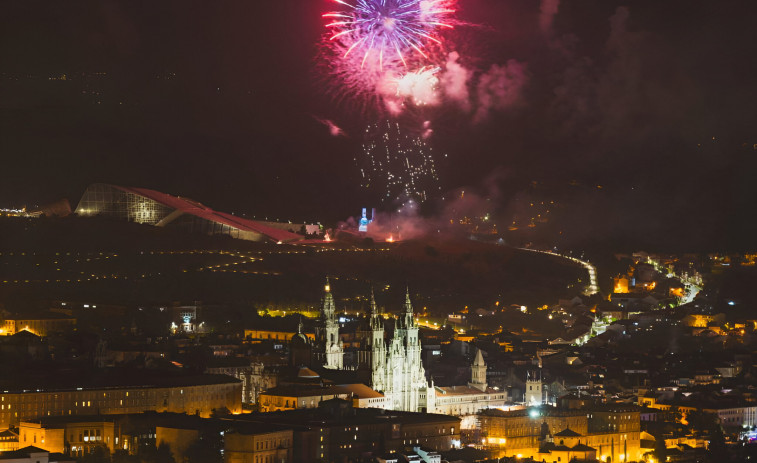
478 373
372 353
330 351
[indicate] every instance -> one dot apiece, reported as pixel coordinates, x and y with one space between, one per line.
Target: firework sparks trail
334 129
398 165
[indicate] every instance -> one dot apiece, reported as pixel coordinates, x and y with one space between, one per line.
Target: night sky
654 101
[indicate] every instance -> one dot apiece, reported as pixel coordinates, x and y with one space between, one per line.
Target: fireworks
399 166
384 31
373 44
419 85
383 55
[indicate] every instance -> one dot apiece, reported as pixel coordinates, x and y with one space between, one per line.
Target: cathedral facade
389 361
392 365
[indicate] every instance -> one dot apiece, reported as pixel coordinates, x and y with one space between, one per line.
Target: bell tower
327 332
478 372
534 389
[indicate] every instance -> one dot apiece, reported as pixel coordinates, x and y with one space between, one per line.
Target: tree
660 449
99 454
717 451
708 423
161 454
122 456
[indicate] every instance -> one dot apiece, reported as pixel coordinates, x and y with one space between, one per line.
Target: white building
469 400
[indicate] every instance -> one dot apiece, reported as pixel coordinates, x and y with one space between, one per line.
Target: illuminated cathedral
389 361
393 366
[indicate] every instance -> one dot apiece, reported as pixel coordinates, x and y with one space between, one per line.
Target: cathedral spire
407 306
374 309
478 372
328 309
407 319
479 361
375 319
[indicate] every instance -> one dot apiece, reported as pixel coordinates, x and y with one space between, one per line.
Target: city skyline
378 231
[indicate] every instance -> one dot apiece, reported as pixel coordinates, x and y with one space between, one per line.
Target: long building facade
198 396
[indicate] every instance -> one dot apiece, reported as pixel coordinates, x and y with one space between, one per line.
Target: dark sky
654 100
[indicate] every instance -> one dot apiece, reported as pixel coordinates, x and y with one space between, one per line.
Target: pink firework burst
386 31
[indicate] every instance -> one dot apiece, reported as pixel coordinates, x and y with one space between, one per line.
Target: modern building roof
189 206
152 207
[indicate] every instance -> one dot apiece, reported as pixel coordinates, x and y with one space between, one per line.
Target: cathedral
393 366
389 361
390 365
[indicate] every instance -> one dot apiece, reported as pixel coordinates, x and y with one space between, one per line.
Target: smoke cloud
500 88
497 89
548 10
455 82
405 222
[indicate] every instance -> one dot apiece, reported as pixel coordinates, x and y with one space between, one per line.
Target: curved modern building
152 207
